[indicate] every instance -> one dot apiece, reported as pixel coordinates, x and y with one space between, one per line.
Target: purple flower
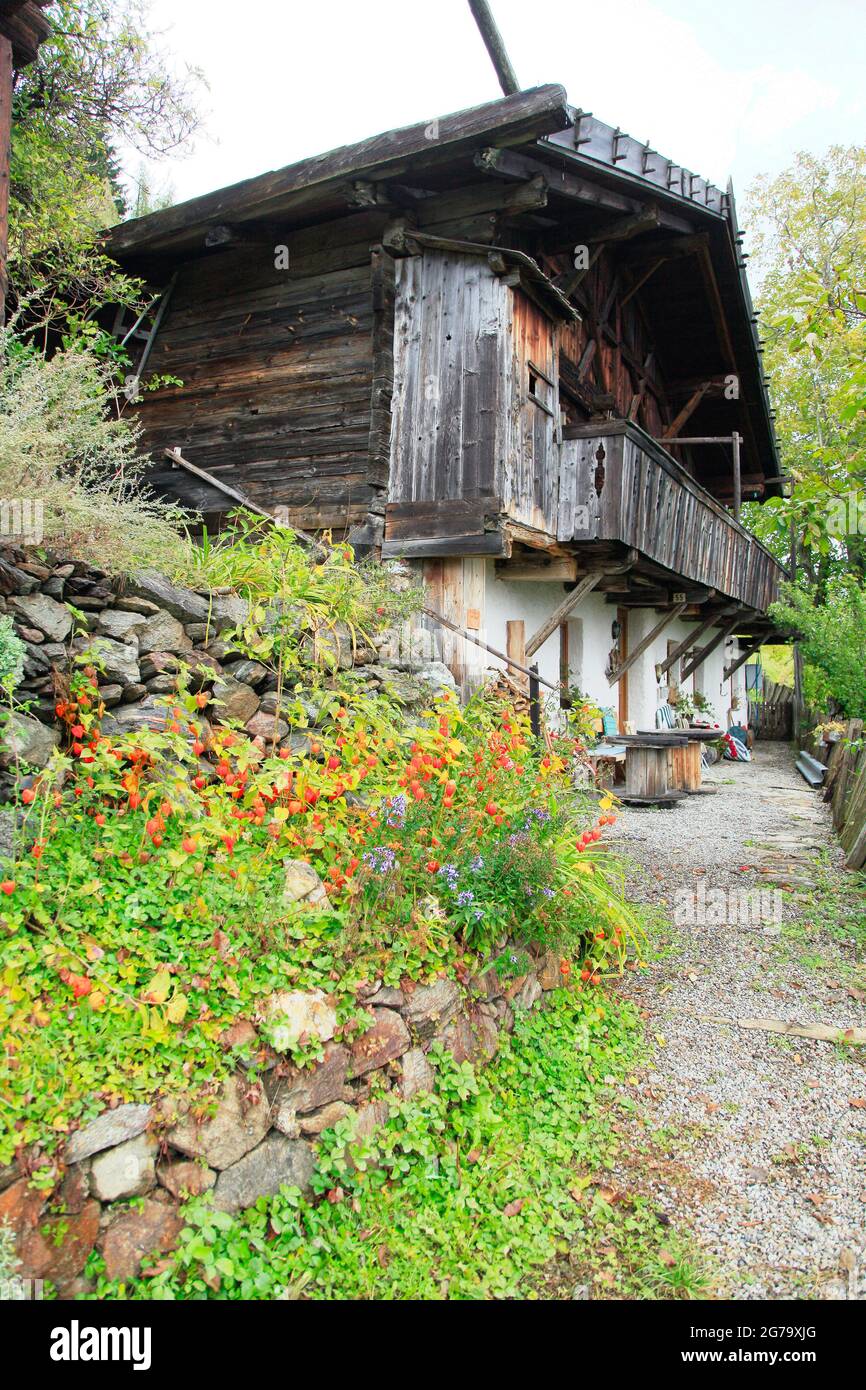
394 810
381 859
477 864
450 873
465 898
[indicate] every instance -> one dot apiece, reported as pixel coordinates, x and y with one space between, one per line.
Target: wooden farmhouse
514 347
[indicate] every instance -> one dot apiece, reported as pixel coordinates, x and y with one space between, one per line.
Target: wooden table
647 768
685 769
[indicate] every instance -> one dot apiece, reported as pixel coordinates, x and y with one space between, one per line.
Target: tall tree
100 85
809 243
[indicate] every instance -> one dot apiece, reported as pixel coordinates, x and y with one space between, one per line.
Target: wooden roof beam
741 660
646 219
26 27
509 120
687 411
700 657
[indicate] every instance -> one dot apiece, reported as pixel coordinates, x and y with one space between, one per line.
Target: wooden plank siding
451 336
649 502
277 372
465 425
477 442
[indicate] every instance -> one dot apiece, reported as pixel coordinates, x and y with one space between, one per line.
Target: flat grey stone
110 1128
276 1163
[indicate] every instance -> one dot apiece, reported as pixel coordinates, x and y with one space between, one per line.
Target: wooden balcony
616 484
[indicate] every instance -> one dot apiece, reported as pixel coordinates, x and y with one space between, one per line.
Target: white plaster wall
589 632
501 601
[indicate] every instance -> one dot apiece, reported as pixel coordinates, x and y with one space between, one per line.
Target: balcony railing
618 484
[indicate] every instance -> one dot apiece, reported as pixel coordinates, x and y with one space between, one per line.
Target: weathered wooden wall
277 372
475 392
529 464
450 391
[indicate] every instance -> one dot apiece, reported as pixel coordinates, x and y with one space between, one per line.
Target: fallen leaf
157 990
514 1207
858 1103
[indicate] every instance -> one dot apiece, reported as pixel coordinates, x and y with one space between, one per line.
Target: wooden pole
570 601
483 17
736 439
534 703
796 719
485 646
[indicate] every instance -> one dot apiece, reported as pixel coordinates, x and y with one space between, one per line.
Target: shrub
65 443
833 643
299 595
11 655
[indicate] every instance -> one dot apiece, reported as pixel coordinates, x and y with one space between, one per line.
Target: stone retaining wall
142 631
262 1132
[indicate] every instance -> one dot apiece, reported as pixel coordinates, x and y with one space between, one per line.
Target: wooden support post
701 656
736 440
483 17
534 703
515 643
664 666
798 693
647 642
741 660
570 602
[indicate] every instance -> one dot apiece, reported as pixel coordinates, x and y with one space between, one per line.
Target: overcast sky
723 87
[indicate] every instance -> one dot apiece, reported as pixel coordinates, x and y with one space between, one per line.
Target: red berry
7 886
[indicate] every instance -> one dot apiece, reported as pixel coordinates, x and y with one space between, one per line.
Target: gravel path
749 1140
